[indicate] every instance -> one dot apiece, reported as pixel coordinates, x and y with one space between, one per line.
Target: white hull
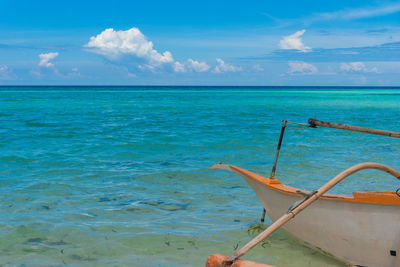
357 233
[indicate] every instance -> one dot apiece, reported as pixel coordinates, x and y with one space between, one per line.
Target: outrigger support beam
314 123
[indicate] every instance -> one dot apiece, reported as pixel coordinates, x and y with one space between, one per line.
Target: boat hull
357 233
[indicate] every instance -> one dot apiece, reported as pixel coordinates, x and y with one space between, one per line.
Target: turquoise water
119 176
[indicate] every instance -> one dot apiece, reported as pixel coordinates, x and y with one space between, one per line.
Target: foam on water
119 176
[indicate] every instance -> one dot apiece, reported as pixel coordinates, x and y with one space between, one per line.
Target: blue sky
199 43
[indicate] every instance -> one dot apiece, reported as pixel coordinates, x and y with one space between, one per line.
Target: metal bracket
297 203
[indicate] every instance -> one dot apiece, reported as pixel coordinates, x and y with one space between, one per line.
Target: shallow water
119 176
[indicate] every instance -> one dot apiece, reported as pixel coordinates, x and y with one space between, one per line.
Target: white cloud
258 68
356 67
359 13
301 68
132 47
116 44
6 73
45 59
225 67
149 67
179 67
191 65
75 72
132 75
294 42
197 66
36 73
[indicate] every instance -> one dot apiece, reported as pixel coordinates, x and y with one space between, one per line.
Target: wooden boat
362 229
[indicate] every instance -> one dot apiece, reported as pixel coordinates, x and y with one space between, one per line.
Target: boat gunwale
383 197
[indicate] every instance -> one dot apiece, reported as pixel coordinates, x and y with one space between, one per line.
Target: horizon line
237 86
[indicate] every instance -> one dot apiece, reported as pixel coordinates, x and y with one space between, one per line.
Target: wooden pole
278 149
305 203
314 122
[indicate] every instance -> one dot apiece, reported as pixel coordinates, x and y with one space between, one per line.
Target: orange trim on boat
389 198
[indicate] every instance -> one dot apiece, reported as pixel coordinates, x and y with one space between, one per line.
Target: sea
119 176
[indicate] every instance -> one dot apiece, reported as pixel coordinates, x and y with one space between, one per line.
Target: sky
273 43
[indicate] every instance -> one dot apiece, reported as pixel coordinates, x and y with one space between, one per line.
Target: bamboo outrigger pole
314 123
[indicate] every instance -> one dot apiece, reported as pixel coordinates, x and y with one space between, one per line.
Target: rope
298 128
305 126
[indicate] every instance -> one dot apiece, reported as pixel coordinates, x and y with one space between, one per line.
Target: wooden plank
314 122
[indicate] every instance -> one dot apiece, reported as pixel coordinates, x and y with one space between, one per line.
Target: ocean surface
119 176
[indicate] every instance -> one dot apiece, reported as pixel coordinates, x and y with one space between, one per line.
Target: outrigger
362 229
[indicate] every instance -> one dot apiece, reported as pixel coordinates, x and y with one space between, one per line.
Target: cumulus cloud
294 42
6 73
191 65
225 67
258 68
114 45
45 59
301 68
179 67
132 48
197 66
356 67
